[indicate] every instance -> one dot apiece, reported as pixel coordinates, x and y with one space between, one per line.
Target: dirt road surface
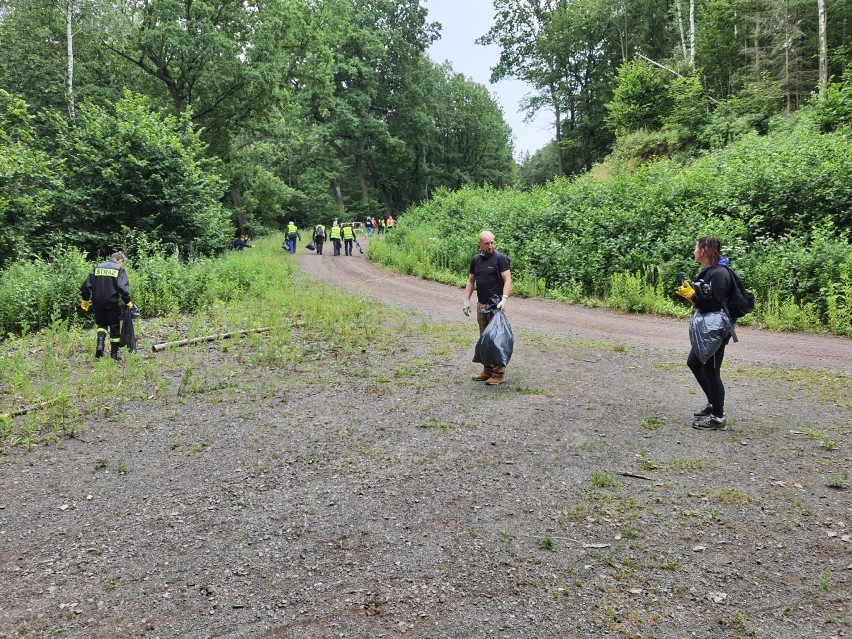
443 303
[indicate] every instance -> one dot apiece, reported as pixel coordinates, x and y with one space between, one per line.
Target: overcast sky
462 22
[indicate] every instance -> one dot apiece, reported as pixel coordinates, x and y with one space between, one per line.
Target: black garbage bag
360 250
708 331
128 330
496 343
311 246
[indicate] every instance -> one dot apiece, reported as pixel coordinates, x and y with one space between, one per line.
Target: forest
170 125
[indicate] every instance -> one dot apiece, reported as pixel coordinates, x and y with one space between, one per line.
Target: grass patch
729 496
652 423
602 479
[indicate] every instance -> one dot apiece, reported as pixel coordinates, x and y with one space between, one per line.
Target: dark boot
113 351
99 349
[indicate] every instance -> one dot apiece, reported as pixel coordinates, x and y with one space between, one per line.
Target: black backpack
740 301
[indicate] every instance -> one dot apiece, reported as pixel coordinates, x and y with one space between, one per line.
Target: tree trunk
384 198
237 205
823 46
788 43
757 24
692 33
557 114
338 195
69 40
682 32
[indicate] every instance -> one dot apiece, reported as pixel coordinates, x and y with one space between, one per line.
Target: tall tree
568 53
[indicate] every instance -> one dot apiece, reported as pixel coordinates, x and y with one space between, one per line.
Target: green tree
566 52
137 169
28 182
641 98
472 143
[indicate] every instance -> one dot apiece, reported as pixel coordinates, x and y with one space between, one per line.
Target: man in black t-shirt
489 271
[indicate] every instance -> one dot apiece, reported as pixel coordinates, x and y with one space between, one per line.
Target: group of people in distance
379 226
340 235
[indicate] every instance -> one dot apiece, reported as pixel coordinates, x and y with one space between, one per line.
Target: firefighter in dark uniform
108 291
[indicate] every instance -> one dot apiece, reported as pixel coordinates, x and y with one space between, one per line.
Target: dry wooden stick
637 476
29 409
208 338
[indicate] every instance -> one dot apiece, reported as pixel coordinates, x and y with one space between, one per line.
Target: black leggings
709 378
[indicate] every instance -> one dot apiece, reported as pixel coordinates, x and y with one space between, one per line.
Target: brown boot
495 379
484 375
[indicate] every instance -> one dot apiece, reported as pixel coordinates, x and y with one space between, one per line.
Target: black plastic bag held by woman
496 343
707 332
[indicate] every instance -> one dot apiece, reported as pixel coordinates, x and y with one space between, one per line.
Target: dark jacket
106 284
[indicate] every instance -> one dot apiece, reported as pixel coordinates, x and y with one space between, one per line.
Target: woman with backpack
709 330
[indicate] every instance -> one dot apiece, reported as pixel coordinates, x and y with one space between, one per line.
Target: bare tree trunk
338 195
682 32
692 33
788 43
757 23
823 46
557 114
237 205
69 40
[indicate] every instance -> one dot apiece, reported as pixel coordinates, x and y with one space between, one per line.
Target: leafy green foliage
640 99
35 294
132 167
780 204
28 181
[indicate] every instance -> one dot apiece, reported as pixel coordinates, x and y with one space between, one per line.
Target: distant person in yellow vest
381 226
335 236
292 236
348 236
391 222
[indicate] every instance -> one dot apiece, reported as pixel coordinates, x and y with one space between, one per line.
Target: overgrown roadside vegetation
54 366
342 472
780 204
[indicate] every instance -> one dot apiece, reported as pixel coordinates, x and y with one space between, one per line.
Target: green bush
780 204
35 294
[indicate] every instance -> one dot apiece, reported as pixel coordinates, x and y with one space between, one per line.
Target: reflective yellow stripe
106 272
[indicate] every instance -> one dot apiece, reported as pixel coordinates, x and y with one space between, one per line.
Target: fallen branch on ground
207 338
29 409
637 476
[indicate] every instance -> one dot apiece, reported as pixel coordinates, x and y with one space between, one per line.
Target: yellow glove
85 304
129 304
686 291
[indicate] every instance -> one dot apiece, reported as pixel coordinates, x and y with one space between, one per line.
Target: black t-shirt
487 273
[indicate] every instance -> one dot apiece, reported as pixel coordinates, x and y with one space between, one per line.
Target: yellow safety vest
292 228
335 232
348 233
